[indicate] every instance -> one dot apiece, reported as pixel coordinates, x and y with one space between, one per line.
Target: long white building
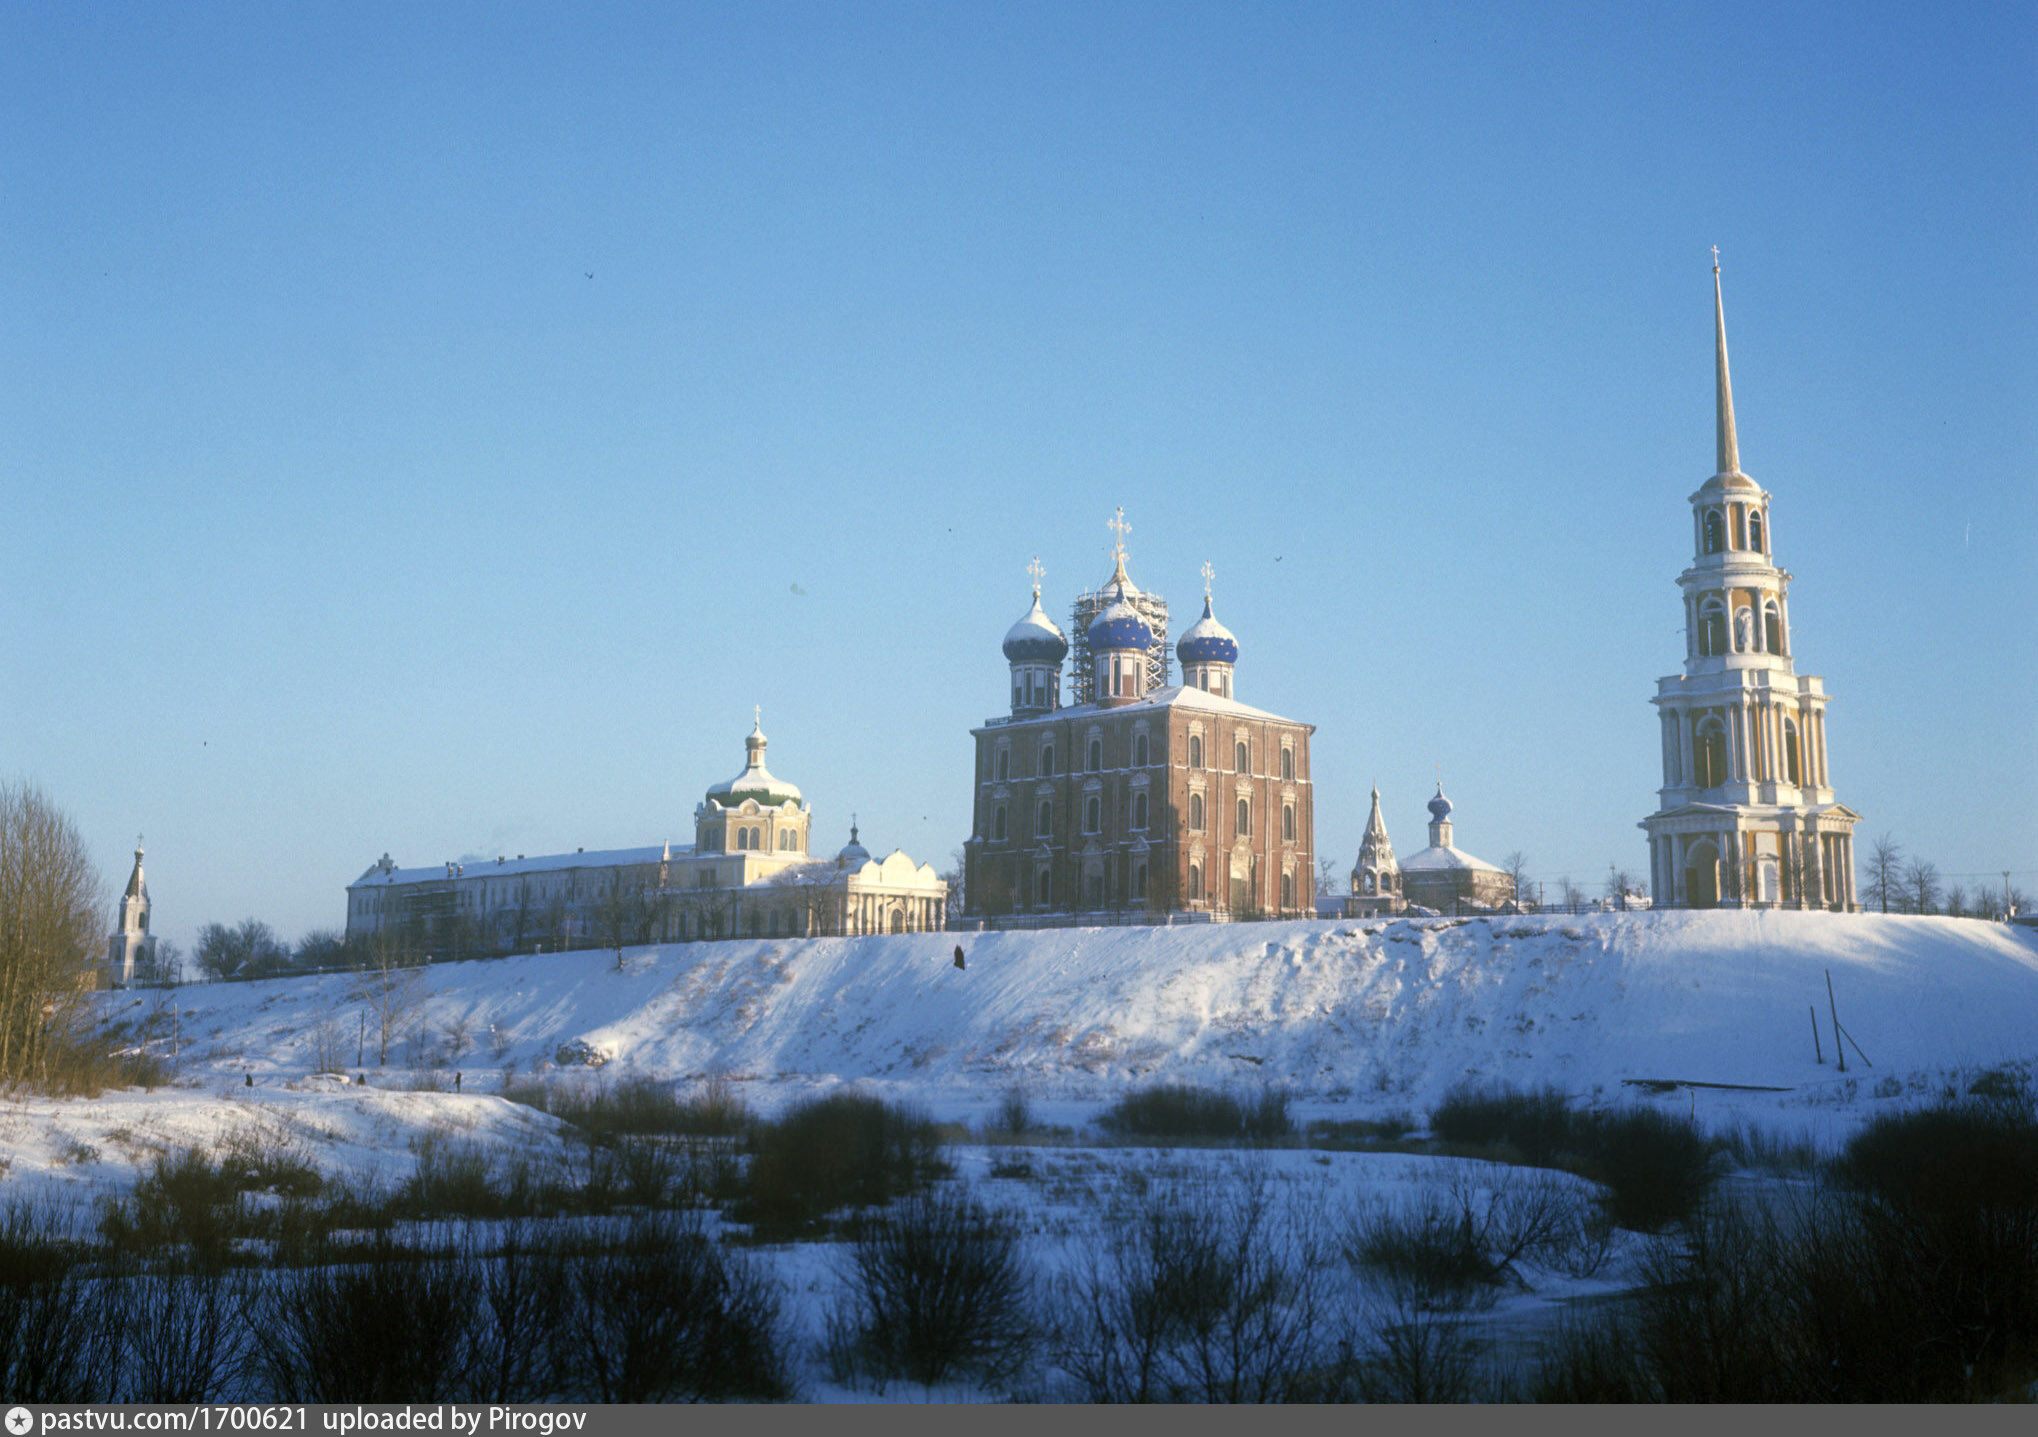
749 873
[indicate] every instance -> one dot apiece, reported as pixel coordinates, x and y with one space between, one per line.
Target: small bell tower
132 946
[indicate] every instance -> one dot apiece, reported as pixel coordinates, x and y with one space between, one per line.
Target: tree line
1896 881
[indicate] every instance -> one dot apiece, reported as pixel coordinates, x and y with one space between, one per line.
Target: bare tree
1956 901
1515 866
810 892
1327 878
620 911
1619 884
1921 886
1885 873
50 901
390 988
1573 897
159 965
249 949
954 877
1796 871
321 948
520 916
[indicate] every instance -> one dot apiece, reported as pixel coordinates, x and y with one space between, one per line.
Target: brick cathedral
1144 801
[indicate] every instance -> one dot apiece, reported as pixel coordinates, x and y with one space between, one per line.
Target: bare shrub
1593 1360
1414 1354
1536 1123
1360 1132
828 1153
389 1323
185 1334
1183 1110
185 1200
662 1314
1464 1240
638 1107
1915 1286
59 1319
1208 1294
1753 1146
451 1179
648 1173
938 1290
1657 1167
524 1292
1014 1115
251 1160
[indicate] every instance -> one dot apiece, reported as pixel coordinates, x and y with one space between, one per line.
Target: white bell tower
1746 815
132 945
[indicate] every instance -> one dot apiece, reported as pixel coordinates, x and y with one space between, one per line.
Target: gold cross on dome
1208 574
1038 572
1120 528
757 715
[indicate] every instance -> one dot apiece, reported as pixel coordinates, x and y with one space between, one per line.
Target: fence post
1838 1051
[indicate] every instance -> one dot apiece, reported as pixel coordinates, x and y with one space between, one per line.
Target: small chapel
1442 878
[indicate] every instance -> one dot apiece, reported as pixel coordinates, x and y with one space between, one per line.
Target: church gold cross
1120 528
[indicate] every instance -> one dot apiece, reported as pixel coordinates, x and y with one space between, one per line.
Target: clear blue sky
430 428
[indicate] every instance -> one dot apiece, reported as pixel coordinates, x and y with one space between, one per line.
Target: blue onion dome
1440 807
1207 641
1120 626
1035 638
756 781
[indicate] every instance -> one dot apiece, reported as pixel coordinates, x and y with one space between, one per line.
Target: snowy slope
1377 1014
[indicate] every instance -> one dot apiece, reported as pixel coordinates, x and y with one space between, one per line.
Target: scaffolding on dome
1152 607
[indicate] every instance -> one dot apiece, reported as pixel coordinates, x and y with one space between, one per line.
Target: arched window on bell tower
1755 535
1772 627
1712 627
1715 532
1791 770
1709 753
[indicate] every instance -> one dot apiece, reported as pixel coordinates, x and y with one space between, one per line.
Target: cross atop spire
1208 574
1037 571
1119 529
1729 447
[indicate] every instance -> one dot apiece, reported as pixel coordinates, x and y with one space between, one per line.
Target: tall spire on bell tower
1729 446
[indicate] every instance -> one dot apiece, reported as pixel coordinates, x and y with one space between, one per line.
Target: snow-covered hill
1374 1015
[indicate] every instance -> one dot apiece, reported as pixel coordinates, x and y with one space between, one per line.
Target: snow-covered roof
896 870
377 876
1446 859
1036 637
1174 696
756 781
